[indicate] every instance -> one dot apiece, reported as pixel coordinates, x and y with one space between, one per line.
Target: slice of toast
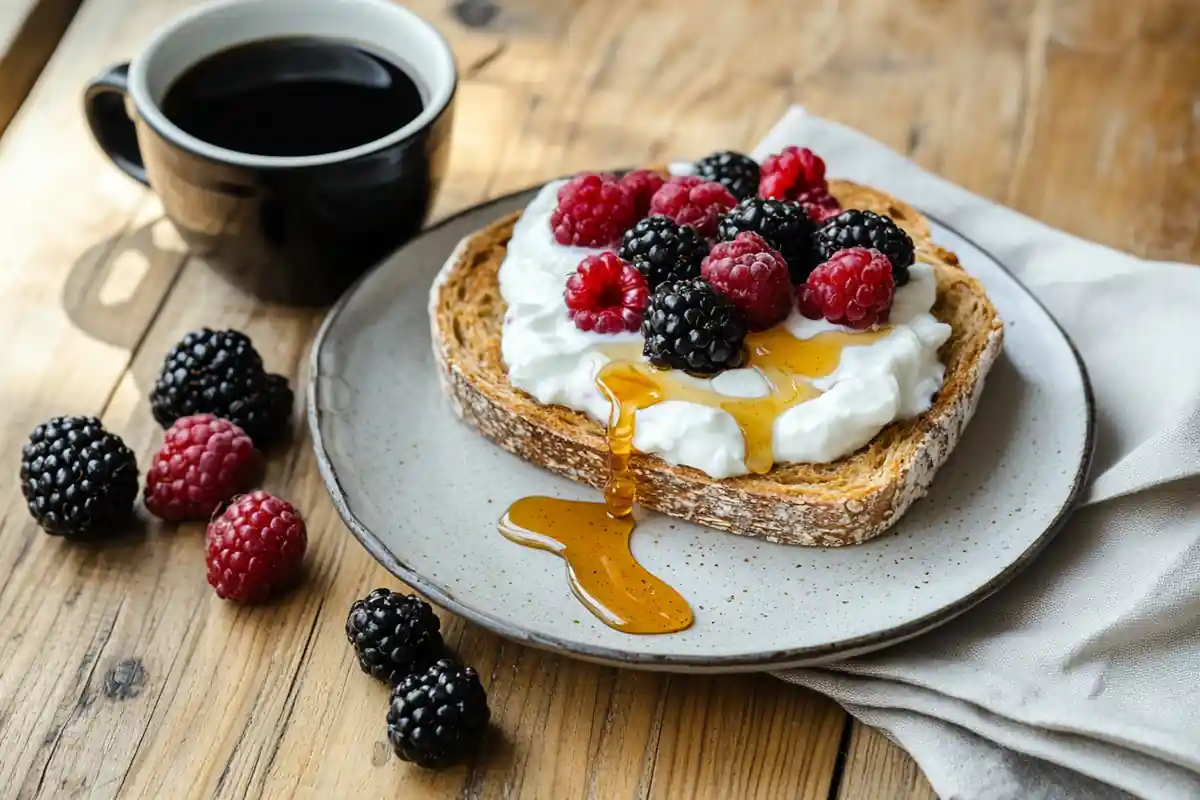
843 502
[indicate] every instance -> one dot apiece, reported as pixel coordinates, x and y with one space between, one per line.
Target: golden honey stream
593 538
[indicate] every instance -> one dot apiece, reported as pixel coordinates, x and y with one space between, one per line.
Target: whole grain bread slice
843 502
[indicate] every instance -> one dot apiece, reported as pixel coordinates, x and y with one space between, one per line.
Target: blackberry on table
691 326
856 228
783 223
437 716
738 173
663 251
220 373
394 635
78 479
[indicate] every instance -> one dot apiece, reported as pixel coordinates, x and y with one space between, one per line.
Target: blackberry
855 228
437 716
394 635
783 223
77 478
691 326
220 373
738 173
663 251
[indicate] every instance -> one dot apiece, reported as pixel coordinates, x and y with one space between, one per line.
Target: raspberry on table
593 211
693 327
736 172
693 201
438 716
784 225
394 635
663 251
819 204
255 547
857 228
606 295
642 184
752 275
790 173
853 288
203 461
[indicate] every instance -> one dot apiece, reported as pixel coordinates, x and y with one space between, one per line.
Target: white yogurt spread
556 363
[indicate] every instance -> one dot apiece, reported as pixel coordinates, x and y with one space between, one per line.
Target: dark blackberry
78 479
855 228
437 716
220 373
393 634
738 173
663 251
691 326
783 223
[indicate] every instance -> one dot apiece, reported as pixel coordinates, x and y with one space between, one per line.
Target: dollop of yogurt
892 378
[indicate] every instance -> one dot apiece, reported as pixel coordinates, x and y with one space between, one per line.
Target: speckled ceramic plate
423 493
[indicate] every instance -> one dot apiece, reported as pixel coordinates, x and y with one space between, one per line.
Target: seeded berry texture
856 228
753 276
436 717
791 172
606 295
220 373
854 288
691 326
692 201
255 548
819 204
641 185
203 461
784 225
593 211
663 251
394 635
736 172
78 479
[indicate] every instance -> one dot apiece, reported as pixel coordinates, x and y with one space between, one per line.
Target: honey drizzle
593 538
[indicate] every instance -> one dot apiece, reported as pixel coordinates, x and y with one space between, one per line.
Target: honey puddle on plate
593 538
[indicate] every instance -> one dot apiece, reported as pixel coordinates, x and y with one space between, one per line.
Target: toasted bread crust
843 502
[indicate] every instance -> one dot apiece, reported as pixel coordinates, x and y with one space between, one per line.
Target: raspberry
606 295
753 276
853 288
819 204
593 211
203 461
857 228
694 202
255 547
791 172
642 184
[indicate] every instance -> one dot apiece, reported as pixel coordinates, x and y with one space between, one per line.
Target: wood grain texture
122 674
29 32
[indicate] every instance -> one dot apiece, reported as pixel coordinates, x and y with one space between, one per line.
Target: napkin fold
1081 679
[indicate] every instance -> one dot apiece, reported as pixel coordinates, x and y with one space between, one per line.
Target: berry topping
606 295
254 548
856 228
736 172
692 201
78 479
854 288
663 251
641 185
593 211
819 204
753 276
437 716
393 634
203 461
691 326
220 373
784 225
791 172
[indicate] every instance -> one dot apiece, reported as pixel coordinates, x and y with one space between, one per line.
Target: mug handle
104 105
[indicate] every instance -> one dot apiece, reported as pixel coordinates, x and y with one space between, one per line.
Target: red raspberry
791 172
752 275
692 201
607 295
642 184
853 288
593 211
255 547
203 461
819 204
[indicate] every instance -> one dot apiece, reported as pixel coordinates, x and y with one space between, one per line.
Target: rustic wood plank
29 31
877 768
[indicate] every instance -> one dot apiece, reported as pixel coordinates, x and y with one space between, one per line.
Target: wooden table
122 673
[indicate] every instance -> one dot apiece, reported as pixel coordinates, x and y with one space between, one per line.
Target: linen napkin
1081 679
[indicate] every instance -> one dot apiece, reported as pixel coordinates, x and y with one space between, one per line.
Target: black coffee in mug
294 143
293 96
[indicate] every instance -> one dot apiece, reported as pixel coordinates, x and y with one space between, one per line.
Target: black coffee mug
296 229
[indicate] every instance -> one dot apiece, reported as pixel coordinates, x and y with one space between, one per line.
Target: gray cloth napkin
1081 679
